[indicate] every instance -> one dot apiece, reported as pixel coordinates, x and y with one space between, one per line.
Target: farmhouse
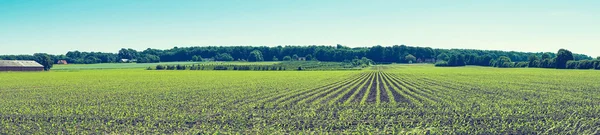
20 65
64 62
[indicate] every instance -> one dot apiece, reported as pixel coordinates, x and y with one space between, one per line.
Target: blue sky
58 26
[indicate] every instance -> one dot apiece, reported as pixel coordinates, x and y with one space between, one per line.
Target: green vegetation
143 65
357 64
385 99
564 59
338 53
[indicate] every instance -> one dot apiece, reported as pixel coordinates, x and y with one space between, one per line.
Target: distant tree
223 57
295 57
45 60
503 61
181 67
585 64
128 53
196 58
471 59
287 58
546 56
160 67
562 57
484 60
456 60
572 64
275 58
170 67
533 61
443 57
521 64
410 58
547 63
598 58
148 58
255 55
309 57
377 53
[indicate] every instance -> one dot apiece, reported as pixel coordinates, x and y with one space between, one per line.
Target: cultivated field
388 99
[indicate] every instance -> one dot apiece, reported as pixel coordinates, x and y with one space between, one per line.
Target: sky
58 26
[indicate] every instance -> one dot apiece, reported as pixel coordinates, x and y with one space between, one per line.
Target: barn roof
19 63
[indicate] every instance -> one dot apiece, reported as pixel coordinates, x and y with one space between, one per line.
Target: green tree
128 53
45 60
310 57
410 58
503 61
562 57
223 57
255 55
295 57
485 60
545 56
275 58
443 57
456 60
160 67
572 64
533 61
287 58
196 58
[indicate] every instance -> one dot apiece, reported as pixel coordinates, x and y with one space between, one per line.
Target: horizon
56 27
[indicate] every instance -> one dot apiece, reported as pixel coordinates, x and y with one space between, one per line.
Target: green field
142 65
386 99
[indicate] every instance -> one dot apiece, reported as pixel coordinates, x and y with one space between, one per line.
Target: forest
339 53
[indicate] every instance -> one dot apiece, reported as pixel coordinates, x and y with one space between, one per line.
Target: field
385 99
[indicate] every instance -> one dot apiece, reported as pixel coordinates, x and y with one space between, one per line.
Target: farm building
20 65
128 60
64 62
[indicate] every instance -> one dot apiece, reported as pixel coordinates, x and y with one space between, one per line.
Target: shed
20 65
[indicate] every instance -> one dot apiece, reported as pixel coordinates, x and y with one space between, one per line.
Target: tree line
563 59
338 53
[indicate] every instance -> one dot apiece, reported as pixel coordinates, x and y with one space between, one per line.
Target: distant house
64 62
301 59
20 65
128 60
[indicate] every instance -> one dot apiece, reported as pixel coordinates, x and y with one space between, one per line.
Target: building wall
21 69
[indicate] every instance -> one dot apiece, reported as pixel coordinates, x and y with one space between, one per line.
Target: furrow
269 98
382 94
356 95
364 96
346 95
298 97
323 94
400 95
423 96
335 94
